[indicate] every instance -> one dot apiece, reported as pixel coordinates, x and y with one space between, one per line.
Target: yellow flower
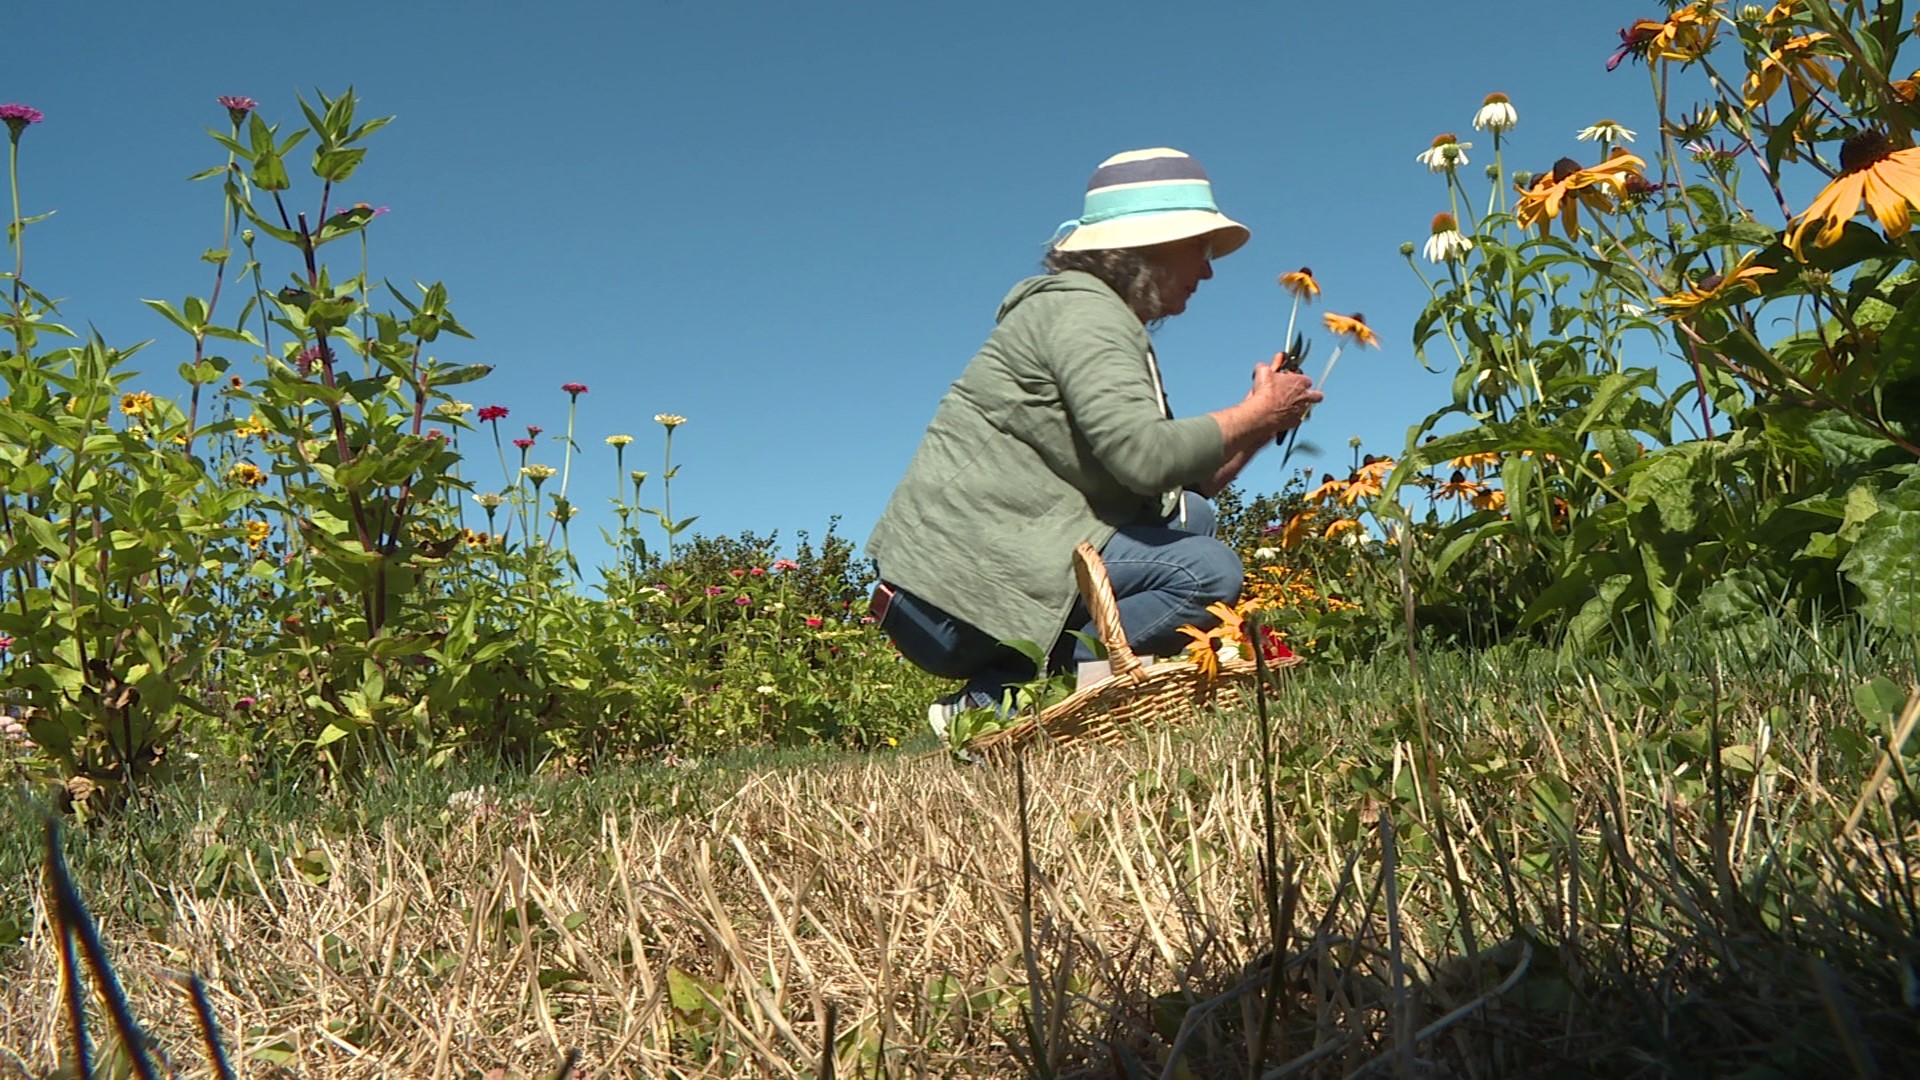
489 500
1359 486
1477 462
1298 528
1329 489
1688 34
1561 193
1375 468
539 472
1459 487
669 420
1340 527
252 427
1716 287
1200 652
247 473
1794 63
1353 327
1871 170
1301 284
1490 499
257 533
619 440
453 408
139 403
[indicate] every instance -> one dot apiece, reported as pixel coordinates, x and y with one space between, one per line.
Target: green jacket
1056 433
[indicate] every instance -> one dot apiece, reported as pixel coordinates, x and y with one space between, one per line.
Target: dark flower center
1863 150
1564 168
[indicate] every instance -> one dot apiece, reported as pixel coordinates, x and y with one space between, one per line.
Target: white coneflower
1445 243
1496 115
1445 155
1606 131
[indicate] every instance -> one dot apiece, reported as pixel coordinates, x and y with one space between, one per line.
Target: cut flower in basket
1228 641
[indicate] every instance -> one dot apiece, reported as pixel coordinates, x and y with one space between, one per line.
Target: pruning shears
1295 355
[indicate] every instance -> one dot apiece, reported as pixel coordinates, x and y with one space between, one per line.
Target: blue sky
792 223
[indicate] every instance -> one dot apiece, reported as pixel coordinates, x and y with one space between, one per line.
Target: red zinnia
574 388
814 622
489 413
524 444
534 429
1272 647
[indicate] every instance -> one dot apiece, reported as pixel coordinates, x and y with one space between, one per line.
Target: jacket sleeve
1100 366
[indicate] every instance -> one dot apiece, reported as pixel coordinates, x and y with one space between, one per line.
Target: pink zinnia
6 642
743 601
574 388
533 430
785 564
307 359
757 571
524 444
237 107
714 590
436 434
490 413
815 622
18 117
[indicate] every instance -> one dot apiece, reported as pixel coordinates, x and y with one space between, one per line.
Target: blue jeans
1163 576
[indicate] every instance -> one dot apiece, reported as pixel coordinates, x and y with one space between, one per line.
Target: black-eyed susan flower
1340 527
248 474
1490 499
1714 288
1445 244
1298 527
1496 115
1329 489
257 533
1687 34
1479 463
1459 487
137 403
1561 193
1375 468
1300 284
1360 486
1795 63
1353 328
252 428
1445 154
1888 180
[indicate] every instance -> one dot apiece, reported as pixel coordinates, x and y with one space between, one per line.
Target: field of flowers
1673 501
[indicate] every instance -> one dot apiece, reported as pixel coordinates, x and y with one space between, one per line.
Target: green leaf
1883 566
1879 702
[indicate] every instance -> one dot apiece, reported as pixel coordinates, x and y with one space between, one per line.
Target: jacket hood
1065 281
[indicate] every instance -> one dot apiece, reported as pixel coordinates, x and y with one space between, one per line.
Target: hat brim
1146 230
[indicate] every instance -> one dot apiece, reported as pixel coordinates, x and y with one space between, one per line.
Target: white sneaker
940 716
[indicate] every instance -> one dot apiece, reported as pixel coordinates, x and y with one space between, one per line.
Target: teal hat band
1109 203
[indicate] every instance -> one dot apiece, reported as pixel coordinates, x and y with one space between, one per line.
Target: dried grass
891 895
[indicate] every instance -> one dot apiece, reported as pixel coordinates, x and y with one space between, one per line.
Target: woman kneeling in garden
1058 432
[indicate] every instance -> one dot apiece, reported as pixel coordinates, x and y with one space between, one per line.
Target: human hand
1280 399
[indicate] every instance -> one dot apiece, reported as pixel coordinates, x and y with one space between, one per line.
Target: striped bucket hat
1146 197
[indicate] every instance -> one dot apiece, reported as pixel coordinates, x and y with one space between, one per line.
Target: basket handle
1097 590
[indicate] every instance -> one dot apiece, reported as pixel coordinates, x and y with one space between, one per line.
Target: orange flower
1375 468
1301 284
1794 63
1871 170
1688 33
1717 287
1298 527
1490 499
1359 486
1340 527
1329 489
1477 462
1353 327
1459 487
1560 193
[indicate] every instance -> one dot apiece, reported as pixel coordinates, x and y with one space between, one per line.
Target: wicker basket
1134 694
